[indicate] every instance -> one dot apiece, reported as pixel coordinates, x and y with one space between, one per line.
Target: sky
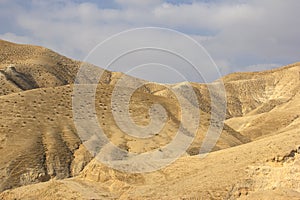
238 35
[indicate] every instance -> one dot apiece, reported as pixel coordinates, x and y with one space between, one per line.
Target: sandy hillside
42 154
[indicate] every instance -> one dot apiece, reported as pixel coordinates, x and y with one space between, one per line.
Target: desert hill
42 154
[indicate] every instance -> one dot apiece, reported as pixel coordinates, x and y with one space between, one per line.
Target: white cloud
138 3
16 38
235 33
260 67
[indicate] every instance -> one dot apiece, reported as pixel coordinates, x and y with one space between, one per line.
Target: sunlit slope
39 140
264 169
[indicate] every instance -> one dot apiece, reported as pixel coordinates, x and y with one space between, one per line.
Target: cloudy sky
239 35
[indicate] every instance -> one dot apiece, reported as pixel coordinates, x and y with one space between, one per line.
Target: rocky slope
257 155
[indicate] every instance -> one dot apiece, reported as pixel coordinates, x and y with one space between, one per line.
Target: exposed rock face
22 81
256 156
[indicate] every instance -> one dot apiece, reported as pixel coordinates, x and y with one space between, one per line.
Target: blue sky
239 35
